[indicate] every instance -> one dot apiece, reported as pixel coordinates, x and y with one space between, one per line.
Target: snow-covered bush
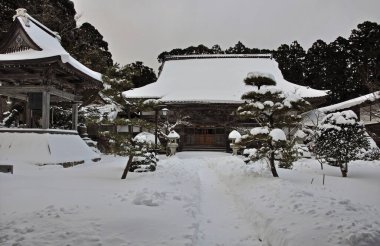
145 158
340 137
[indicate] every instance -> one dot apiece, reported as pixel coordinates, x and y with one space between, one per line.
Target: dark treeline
239 48
347 67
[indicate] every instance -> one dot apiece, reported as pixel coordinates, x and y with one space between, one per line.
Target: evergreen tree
140 153
340 138
272 110
290 60
90 48
316 64
365 56
338 82
239 48
139 74
215 49
116 81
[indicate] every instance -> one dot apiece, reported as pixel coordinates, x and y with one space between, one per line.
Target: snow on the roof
50 44
214 79
351 103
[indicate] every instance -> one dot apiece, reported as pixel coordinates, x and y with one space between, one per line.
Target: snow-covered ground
194 198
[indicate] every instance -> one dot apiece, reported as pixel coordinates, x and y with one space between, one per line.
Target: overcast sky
139 30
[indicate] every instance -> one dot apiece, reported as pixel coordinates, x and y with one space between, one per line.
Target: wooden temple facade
208 89
37 72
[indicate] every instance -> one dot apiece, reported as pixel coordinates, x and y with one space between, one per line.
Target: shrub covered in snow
340 137
145 158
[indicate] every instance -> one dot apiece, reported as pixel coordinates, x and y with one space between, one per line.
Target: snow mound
146 137
277 135
44 148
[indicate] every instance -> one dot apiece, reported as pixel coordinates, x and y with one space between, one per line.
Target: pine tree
340 137
139 74
239 48
140 153
338 79
365 55
290 59
90 49
272 110
316 64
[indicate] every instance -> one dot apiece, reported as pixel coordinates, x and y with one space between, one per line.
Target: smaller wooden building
36 72
36 69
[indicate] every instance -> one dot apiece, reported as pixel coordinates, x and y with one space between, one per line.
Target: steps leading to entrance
203 148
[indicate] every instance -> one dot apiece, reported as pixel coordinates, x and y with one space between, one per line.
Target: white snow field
194 198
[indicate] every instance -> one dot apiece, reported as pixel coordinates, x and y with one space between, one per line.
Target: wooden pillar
75 116
45 110
156 128
28 114
1 109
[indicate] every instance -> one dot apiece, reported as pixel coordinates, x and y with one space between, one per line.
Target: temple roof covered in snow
29 40
214 79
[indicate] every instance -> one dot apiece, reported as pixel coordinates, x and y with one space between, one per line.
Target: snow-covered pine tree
128 145
145 158
341 137
272 110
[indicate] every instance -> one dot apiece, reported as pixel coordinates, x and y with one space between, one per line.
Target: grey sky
142 29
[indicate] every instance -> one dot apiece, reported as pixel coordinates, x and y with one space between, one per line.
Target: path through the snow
222 221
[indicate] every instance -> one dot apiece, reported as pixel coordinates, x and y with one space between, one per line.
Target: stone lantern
233 136
172 143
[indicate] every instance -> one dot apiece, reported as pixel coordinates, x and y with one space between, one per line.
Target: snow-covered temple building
208 88
36 72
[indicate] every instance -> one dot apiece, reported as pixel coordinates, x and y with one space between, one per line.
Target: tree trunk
272 165
343 169
126 169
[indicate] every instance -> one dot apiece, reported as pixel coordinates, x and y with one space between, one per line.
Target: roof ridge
213 56
22 15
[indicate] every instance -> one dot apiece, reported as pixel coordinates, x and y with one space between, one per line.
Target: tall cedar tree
316 62
291 62
272 110
364 51
340 138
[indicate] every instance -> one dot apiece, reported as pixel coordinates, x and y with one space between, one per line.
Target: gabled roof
34 41
213 79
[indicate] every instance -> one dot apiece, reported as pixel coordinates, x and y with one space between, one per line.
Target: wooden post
156 128
45 110
28 114
75 117
1 109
